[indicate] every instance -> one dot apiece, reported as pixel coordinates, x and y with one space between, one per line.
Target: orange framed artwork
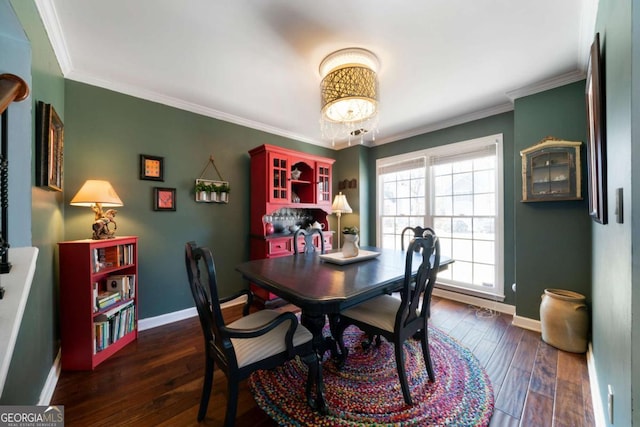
151 167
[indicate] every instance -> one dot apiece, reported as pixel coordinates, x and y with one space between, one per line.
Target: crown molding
49 17
187 106
477 115
544 85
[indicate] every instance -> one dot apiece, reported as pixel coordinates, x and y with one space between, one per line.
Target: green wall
634 206
105 132
349 167
553 239
37 344
616 345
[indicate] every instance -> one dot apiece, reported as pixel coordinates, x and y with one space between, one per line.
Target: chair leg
206 388
232 402
402 375
424 341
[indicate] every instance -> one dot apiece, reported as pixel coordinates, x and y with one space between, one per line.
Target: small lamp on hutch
340 206
97 194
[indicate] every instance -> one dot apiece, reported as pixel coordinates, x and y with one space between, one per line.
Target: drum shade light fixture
349 95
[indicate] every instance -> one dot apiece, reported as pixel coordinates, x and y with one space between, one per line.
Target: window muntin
457 190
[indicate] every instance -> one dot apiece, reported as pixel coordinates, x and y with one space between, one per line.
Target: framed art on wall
596 148
151 167
164 199
49 147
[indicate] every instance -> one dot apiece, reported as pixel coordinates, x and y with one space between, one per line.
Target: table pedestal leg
340 352
315 324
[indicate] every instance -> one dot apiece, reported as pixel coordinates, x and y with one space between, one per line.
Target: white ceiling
255 62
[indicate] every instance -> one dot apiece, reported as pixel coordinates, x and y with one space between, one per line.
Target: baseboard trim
596 401
52 380
480 302
164 319
527 323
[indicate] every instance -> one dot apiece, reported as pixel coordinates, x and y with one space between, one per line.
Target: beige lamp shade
95 192
340 204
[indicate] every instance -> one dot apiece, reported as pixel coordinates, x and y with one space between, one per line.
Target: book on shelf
96 290
112 256
114 311
101 340
106 299
112 325
122 283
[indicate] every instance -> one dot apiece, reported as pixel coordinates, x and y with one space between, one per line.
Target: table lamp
97 194
340 206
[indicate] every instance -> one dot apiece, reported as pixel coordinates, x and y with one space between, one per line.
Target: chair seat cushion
379 312
251 350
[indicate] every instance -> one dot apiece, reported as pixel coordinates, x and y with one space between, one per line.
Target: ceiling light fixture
349 92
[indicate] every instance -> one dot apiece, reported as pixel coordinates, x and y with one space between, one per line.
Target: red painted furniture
286 183
85 266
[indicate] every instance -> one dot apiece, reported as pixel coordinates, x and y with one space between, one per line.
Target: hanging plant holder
210 190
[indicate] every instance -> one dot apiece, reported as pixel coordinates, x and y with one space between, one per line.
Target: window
457 190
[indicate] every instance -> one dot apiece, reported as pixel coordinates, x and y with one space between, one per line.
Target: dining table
322 285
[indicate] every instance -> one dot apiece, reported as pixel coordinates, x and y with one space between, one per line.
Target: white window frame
497 291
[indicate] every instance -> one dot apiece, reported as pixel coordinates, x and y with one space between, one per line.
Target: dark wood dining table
321 288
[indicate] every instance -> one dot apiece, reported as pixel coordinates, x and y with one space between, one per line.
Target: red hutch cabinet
288 188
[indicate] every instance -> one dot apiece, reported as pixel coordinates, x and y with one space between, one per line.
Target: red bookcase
93 271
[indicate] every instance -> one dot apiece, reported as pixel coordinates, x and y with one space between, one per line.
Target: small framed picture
151 167
49 147
164 199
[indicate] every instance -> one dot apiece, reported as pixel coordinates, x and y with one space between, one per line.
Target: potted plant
202 191
215 192
225 188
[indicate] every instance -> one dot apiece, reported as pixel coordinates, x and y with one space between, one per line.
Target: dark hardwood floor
156 381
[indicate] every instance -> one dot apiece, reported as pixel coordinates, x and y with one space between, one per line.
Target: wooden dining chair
400 319
261 340
309 247
412 232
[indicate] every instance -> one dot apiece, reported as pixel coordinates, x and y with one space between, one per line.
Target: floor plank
538 410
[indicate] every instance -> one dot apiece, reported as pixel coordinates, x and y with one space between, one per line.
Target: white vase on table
350 247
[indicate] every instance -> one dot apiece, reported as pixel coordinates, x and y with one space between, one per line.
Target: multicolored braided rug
366 392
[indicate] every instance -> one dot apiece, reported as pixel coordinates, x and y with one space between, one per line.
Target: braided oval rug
366 392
